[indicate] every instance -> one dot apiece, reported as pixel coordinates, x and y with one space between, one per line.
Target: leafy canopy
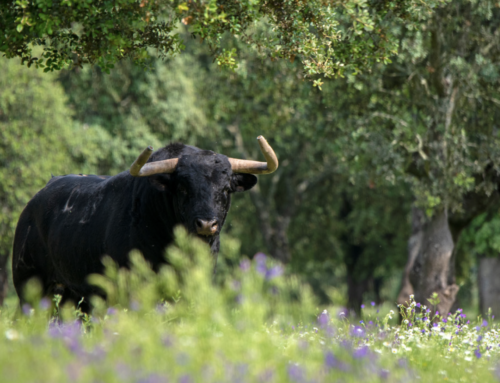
330 37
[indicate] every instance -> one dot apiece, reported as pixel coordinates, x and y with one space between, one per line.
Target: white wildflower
12 334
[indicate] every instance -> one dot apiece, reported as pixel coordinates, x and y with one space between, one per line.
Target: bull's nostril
206 227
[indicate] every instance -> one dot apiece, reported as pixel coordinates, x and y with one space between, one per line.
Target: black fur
74 220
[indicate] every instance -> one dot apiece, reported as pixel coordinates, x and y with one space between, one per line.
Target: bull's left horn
142 169
257 167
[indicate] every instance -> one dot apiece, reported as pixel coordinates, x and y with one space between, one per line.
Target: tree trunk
431 270
279 245
274 233
355 291
489 285
414 245
3 277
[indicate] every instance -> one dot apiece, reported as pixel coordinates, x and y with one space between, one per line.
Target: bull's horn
257 167
142 169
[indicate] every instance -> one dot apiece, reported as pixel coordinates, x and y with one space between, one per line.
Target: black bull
74 220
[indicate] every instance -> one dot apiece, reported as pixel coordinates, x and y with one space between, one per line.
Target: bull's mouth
207 238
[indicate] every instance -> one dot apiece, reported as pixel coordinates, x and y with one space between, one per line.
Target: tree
37 138
329 38
480 245
429 119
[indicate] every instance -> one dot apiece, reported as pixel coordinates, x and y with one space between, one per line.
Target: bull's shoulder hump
78 178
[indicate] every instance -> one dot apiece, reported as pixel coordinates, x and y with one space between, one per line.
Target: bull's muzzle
206 228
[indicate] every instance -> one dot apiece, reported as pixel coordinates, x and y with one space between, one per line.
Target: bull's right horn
257 167
142 169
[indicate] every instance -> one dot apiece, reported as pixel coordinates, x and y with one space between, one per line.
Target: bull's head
200 183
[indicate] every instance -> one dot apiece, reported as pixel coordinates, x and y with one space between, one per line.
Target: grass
258 326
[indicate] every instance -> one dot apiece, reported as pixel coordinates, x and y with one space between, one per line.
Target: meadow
257 325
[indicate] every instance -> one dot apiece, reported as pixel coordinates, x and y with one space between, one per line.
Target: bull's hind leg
29 261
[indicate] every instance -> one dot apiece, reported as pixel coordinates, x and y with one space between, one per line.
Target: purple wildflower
384 374
161 308
445 320
403 363
111 311
26 309
260 263
273 272
372 303
358 331
167 341
65 330
69 333
477 352
45 303
418 304
323 319
185 379
362 306
485 323
295 373
330 360
245 265
360 352
437 312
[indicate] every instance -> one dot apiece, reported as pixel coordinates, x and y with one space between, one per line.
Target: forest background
374 165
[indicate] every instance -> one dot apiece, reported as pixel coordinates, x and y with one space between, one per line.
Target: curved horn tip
150 148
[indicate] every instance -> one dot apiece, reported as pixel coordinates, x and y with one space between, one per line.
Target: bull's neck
152 213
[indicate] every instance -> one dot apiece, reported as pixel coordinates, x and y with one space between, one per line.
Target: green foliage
429 118
38 137
139 108
35 128
481 238
329 38
255 328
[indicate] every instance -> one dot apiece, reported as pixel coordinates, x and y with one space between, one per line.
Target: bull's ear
242 182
